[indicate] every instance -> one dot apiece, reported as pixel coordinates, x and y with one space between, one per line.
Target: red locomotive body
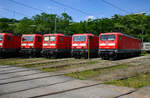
9 44
56 45
82 43
117 45
31 44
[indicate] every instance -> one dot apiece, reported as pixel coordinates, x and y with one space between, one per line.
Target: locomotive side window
39 39
107 37
1 37
27 38
79 38
61 39
9 38
120 37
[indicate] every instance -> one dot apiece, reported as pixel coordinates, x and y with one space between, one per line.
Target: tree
25 26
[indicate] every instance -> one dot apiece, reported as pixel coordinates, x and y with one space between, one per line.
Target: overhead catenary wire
25 5
70 7
114 6
12 11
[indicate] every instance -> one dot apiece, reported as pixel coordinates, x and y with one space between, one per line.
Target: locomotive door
39 42
61 42
120 42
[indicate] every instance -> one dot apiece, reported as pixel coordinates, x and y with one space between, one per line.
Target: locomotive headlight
0 44
82 44
102 44
23 44
45 44
74 44
30 44
111 44
52 44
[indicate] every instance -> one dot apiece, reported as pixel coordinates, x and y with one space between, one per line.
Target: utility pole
89 47
142 37
55 25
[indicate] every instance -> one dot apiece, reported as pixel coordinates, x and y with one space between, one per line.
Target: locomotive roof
83 34
6 34
53 34
119 34
111 33
30 34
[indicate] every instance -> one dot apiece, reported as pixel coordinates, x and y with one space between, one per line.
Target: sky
93 8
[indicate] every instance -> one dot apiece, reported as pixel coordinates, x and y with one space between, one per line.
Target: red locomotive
117 45
84 44
56 45
9 44
31 44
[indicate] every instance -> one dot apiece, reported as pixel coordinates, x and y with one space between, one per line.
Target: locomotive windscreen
107 37
27 38
79 38
1 37
50 38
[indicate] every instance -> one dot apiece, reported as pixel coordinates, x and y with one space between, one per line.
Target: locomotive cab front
107 45
84 45
9 44
31 44
79 42
56 45
1 41
107 42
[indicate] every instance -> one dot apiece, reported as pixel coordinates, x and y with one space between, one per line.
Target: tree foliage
133 24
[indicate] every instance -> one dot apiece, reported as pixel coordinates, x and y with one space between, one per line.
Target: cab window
27 38
50 38
79 38
46 38
107 37
1 37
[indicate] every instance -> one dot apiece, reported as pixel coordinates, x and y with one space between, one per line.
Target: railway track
67 64
78 69
59 73
46 66
40 86
67 90
45 61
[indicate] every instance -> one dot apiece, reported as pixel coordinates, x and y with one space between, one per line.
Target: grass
48 69
94 73
10 62
134 82
83 75
67 67
15 61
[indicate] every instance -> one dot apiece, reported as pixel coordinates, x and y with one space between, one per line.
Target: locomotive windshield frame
79 38
108 37
28 38
1 37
